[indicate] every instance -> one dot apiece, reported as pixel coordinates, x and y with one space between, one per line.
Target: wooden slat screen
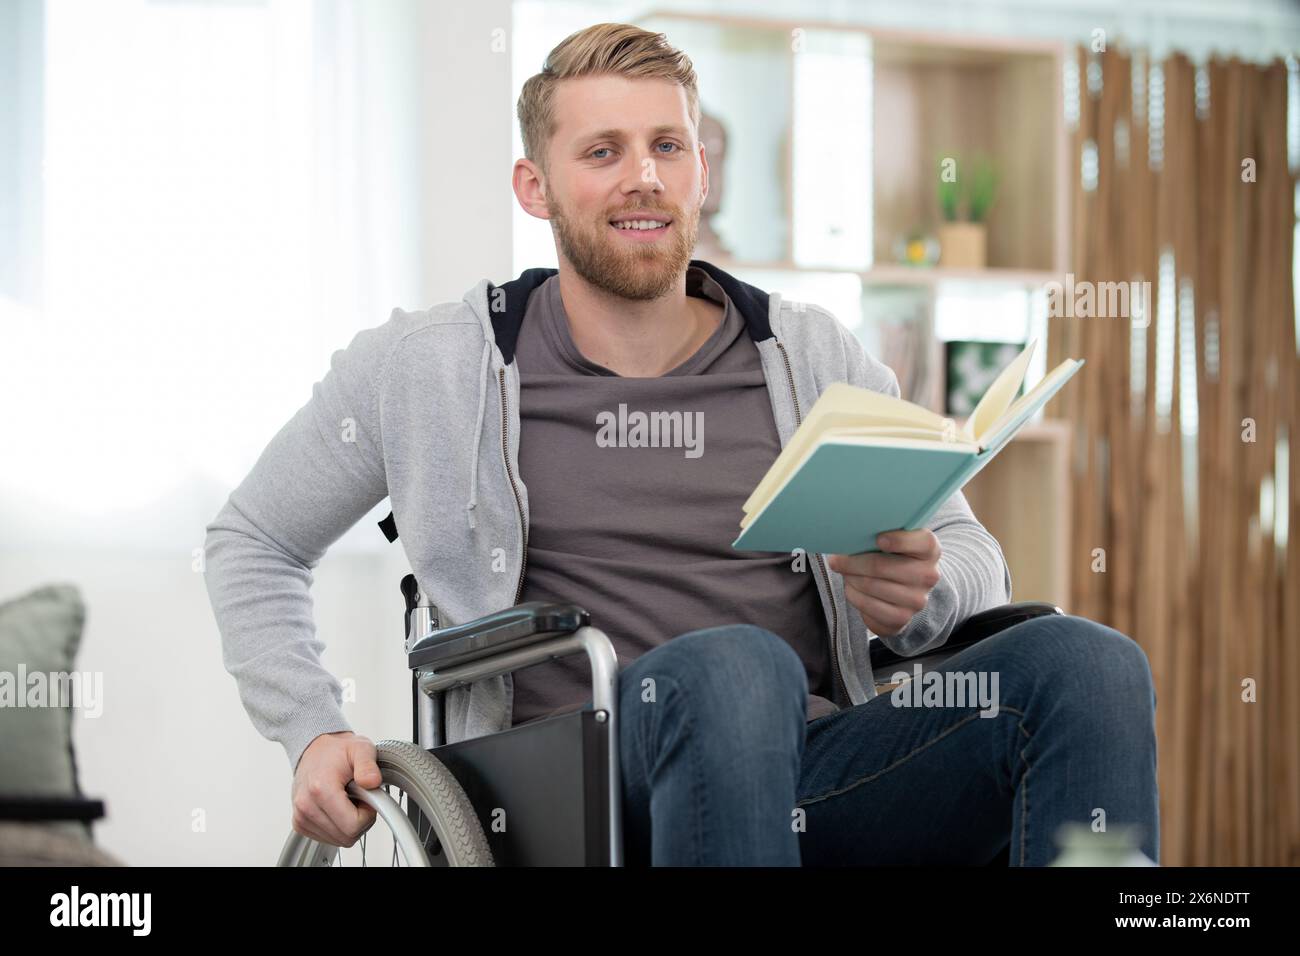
1194 571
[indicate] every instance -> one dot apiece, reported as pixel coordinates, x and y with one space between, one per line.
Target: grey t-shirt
632 514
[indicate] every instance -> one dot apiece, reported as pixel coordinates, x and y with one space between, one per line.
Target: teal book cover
849 490
846 493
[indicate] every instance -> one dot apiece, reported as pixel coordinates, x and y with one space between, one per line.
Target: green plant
949 193
975 181
983 188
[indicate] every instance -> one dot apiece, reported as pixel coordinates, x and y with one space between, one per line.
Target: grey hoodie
424 410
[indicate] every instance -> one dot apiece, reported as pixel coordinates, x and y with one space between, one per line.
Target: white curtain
229 191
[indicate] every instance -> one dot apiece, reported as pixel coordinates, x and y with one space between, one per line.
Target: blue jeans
719 766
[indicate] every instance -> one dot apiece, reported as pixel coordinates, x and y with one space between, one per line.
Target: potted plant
963 243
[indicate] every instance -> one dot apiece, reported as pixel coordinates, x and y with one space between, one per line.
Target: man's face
624 149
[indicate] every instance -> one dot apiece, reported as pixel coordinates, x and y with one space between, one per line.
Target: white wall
173 741
466 144
417 213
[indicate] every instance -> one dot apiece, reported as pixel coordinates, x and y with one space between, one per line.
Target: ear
530 188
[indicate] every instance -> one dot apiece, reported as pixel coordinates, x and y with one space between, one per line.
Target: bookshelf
835 132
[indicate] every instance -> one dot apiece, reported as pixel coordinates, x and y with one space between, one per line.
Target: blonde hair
605 48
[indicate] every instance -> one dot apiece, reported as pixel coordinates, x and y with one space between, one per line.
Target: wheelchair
543 793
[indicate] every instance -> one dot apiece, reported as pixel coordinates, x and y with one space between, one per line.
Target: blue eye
673 145
599 149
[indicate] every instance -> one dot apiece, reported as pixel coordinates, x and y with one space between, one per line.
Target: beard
629 270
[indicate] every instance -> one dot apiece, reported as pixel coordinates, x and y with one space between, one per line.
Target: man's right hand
322 809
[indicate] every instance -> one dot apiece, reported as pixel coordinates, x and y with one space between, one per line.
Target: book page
1026 404
841 405
887 431
998 398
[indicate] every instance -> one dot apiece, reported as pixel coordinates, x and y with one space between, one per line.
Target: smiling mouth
651 226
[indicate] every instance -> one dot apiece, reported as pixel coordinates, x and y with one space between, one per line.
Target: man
497 427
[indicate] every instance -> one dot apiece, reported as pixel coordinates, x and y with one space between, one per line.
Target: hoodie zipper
835 616
505 453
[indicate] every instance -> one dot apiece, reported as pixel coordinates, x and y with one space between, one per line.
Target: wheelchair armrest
514 627
970 631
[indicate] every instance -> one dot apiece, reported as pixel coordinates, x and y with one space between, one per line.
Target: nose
642 175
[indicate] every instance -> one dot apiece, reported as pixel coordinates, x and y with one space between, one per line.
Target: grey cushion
41 632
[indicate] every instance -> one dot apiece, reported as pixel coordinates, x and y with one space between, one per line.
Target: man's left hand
889 587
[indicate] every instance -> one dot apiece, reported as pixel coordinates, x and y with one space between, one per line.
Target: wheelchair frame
443 656
521 765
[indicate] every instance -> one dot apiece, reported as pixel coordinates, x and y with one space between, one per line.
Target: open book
864 462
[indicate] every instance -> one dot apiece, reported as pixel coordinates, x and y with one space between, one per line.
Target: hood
502 307
501 310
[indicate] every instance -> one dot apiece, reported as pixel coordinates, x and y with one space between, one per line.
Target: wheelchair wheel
444 828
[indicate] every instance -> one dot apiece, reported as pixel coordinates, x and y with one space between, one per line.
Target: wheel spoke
417 828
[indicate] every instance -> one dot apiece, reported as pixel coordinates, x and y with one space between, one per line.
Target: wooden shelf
941 98
907 99
934 275
1023 498
896 275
